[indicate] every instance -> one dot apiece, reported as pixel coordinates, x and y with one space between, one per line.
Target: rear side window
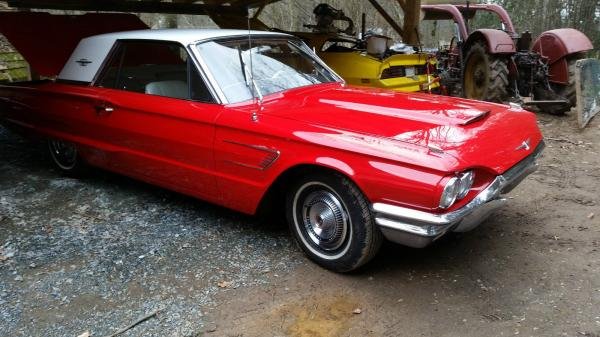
154 68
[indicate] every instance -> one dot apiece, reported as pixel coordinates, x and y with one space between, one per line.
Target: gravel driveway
94 255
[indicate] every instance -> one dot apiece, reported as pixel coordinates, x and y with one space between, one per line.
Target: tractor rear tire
565 91
485 76
568 91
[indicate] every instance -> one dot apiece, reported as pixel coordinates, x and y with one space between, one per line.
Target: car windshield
269 66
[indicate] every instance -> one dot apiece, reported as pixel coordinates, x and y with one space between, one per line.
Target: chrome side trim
245 165
268 161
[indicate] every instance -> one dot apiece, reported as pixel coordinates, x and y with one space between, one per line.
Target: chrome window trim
119 42
111 53
307 49
215 91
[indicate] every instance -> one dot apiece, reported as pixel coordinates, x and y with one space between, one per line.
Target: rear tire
486 76
563 91
569 90
65 157
332 222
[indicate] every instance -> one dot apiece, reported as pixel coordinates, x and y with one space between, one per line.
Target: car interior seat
175 89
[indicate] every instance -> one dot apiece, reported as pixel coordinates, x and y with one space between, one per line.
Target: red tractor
500 65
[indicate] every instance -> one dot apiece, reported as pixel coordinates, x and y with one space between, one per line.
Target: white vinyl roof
88 56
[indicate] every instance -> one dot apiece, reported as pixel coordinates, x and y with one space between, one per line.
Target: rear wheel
562 91
485 76
65 156
332 222
568 91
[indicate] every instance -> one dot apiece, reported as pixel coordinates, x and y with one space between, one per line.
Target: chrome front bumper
418 229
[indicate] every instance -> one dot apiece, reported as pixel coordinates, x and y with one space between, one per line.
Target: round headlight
450 192
466 182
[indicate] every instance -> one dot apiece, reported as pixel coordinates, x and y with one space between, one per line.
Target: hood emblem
524 146
83 62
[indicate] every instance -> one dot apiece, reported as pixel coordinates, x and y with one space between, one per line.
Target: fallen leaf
357 311
225 284
85 334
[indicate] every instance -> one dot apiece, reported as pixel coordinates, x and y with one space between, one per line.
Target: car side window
154 68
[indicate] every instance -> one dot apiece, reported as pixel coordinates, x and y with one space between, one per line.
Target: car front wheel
332 222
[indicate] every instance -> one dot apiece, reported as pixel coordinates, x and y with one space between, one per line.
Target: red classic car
256 120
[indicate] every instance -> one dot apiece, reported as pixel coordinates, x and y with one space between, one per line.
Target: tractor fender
498 42
557 45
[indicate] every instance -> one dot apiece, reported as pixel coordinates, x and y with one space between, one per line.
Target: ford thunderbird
255 120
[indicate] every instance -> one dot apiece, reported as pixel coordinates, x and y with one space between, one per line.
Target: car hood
440 132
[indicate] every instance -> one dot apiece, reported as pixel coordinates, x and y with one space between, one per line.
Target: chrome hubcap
65 154
325 220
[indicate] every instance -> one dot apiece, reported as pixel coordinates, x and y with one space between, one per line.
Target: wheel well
272 204
476 37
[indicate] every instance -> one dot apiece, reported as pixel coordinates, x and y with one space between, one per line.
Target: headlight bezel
456 188
467 179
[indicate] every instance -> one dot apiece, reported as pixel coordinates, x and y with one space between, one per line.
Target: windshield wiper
248 78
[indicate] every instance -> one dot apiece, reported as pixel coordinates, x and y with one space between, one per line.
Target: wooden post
412 14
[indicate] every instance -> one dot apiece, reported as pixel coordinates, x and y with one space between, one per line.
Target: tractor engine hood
475 134
46 41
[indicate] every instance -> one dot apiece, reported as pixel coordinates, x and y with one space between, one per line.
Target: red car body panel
221 153
170 146
384 154
203 149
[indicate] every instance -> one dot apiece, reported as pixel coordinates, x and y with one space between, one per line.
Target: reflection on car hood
474 133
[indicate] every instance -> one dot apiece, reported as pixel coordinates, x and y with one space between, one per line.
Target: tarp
46 41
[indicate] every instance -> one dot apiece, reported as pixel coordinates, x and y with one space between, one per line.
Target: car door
158 116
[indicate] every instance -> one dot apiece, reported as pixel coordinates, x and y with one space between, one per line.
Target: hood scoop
476 116
458 116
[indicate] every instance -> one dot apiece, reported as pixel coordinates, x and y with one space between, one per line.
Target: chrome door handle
104 109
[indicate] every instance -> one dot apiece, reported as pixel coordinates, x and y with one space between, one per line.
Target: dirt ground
94 254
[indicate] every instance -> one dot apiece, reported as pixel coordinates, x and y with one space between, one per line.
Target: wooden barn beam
387 17
127 6
412 14
410 26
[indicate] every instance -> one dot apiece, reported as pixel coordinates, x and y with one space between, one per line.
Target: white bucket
377 44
